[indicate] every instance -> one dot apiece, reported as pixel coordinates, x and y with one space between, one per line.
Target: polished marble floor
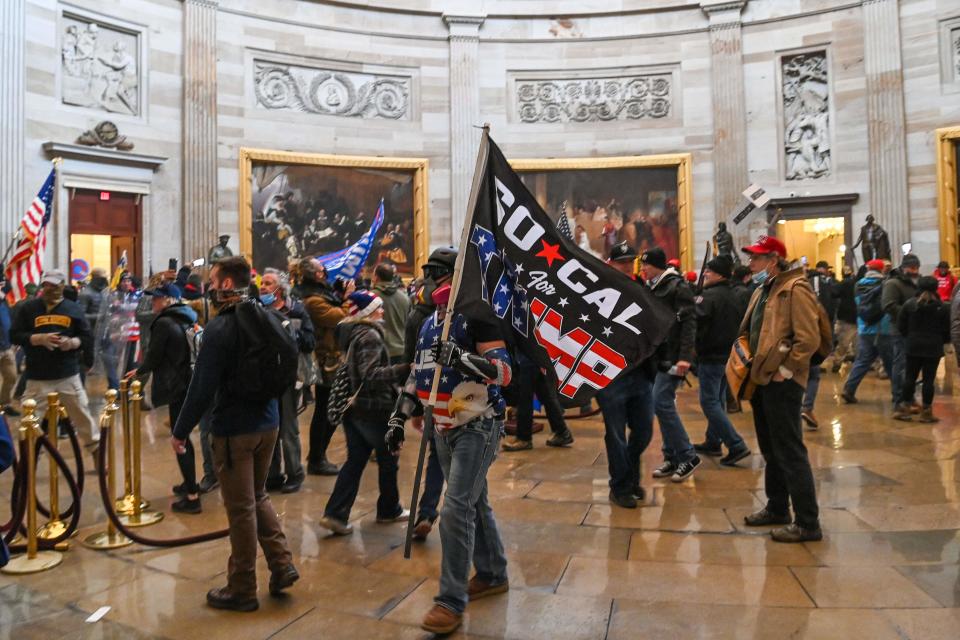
683 565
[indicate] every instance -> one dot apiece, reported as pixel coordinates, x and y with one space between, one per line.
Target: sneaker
733 457
562 439
478 588
186 505
292 486
441 621
902 412
796 533
516 444
223 599
338 527
708 449
665 470
208 484
322 468
283 579
926 416
685 469
422 528
623 501
180 489
402 516
8 410
639 493
810 420
915 408
848 398
765 518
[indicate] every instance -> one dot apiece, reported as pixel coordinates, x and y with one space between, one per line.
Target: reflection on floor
682 565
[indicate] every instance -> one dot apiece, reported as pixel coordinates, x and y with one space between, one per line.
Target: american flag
26 264
563 224
118 272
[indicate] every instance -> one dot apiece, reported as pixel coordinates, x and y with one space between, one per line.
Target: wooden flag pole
478 173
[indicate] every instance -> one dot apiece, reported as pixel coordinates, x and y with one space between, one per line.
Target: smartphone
199 262
172 265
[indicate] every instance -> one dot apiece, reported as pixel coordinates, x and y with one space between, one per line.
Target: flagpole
478 173
54 215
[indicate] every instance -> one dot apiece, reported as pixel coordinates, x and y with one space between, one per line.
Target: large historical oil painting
642 200
298 205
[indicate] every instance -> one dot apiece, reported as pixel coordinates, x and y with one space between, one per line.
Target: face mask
53 295
219 298
760 277
268 298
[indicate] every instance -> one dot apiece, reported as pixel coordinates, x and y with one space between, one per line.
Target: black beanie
721 265
655 257
927 283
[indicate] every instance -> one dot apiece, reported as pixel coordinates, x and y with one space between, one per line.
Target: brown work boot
221 598
902 412
516 444
441 621
926 415
478 588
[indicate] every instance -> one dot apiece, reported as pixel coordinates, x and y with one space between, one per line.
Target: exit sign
104 195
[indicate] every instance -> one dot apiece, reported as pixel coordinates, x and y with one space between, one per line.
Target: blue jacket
867 282
5 322
6 459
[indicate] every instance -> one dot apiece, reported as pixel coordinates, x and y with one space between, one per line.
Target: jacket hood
347 330
388 288
180 312
665 276
788 277
872 275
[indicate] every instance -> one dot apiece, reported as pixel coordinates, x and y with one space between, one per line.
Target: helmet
441 262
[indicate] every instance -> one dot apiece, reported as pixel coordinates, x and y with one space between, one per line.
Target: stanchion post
111 538
55 527
33 561
124 504
139 517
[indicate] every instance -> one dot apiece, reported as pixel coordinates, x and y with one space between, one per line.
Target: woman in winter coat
375 381
924 321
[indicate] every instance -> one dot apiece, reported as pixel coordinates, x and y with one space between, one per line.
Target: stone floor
683 565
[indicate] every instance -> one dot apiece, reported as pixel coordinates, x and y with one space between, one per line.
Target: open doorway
815 228
104 225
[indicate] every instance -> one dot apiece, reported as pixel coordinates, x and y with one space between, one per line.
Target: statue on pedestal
876 242
723 243
220 251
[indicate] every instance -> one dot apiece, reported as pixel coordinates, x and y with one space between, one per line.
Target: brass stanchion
33 561
55 527
139 517
111 538
124 504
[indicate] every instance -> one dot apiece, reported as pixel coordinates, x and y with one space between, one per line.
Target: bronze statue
876 242
723 243
220 251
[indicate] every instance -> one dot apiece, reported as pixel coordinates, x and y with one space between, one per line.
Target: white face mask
760 277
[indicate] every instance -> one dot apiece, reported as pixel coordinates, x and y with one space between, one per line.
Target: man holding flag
572 315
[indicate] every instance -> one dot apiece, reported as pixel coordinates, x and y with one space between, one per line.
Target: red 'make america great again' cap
766 245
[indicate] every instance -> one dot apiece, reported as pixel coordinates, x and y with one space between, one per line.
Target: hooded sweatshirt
396 307
870 280
168 354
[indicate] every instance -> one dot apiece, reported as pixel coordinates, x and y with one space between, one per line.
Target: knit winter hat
721 265
875 265
655 257
927 283
362 303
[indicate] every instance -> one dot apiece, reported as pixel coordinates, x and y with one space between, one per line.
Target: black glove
446 353
395 436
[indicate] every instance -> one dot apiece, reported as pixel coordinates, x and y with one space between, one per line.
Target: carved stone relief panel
950 54
331 92
594 97
806 115
99 65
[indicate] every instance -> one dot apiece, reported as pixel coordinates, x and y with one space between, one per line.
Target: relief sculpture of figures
806 115
98 69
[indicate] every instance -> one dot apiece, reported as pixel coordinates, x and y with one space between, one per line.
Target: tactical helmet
441 262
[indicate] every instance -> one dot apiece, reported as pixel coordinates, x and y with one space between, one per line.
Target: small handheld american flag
563 224
26 264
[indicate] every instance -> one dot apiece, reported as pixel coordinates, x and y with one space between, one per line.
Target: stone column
885 120
13 200
464 113
730 172
200 228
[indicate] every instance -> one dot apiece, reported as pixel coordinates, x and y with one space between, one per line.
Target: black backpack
870 305
268 353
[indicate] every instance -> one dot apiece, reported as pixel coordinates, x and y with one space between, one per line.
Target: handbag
342 395
738 371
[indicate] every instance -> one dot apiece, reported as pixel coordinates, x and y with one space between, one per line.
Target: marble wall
352 78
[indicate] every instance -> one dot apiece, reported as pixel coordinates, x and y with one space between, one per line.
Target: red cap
766 245
875 265
691 276
674 262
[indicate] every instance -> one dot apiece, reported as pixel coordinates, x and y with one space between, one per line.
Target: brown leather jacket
325 316
790 333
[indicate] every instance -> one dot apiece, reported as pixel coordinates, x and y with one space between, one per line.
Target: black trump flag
577 318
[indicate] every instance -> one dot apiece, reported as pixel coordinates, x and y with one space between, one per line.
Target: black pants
321 431
787 475
914 367
531 380
364 436
185 460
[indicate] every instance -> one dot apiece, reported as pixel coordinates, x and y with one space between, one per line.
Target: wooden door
110 213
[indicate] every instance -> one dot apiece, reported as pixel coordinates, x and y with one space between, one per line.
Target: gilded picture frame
948 138
419 167
681 162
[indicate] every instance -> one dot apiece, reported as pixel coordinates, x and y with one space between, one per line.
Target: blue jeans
432 487
813 387
363 437
870 347
468 529
676 444
713 402
627 401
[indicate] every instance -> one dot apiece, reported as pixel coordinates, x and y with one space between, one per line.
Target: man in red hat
782 327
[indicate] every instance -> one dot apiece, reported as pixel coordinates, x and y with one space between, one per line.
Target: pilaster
13 200
200 227
464 43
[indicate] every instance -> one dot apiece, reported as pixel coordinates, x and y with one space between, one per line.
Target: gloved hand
446 353
395 435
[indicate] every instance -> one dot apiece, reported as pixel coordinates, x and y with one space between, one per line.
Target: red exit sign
104 195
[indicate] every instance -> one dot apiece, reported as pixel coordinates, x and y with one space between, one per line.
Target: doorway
104 224
815 228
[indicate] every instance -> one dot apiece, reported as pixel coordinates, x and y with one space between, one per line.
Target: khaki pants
73 397
846 334
8 371
241 463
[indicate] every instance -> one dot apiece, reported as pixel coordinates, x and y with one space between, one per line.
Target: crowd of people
240 355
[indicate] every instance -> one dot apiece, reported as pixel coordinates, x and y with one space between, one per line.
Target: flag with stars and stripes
26 264
563 223
580 320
